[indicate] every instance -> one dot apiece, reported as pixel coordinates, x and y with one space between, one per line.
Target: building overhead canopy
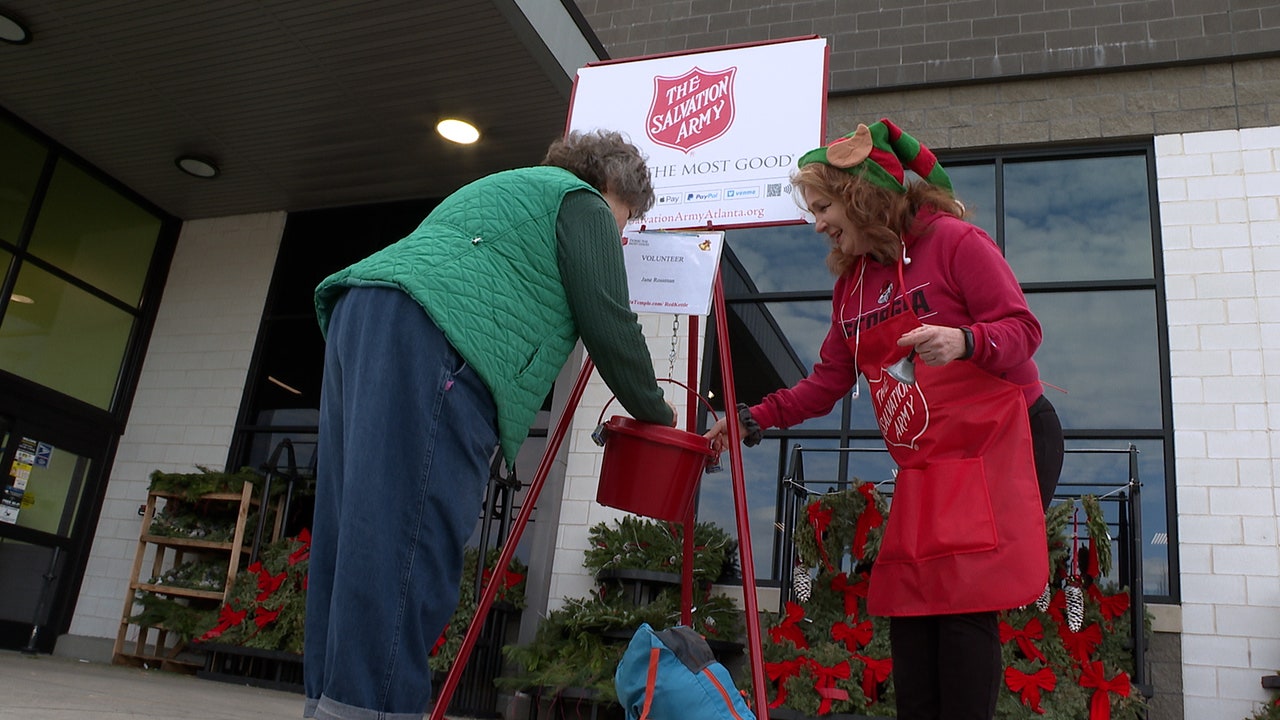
301 104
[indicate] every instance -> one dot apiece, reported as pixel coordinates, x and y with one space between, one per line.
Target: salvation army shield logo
692 109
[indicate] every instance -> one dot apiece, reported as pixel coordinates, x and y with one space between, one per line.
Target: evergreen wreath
511 594
828 656
268 602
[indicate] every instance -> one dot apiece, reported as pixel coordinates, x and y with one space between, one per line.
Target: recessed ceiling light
459 131
197 166
12 31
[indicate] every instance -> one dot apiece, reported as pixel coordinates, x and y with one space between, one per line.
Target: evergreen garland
190 486
635 543
173 614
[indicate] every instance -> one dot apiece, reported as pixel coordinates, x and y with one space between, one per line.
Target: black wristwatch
968 343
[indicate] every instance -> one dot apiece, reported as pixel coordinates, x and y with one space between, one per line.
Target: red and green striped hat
878 153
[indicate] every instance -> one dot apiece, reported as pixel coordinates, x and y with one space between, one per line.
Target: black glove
754 433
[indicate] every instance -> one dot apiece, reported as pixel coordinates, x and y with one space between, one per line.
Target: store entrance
52 472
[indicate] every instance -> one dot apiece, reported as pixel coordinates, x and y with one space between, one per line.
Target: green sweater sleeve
595 282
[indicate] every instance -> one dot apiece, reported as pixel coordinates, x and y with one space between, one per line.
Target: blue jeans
407 429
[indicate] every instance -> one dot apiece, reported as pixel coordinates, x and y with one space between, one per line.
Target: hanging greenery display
579 645
826 655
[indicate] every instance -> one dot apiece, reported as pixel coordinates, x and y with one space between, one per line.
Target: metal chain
675 343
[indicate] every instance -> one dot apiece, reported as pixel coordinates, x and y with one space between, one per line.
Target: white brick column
189 393
1220 221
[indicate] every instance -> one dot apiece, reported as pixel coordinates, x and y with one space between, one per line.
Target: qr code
774 190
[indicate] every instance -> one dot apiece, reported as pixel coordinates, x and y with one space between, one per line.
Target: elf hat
878 153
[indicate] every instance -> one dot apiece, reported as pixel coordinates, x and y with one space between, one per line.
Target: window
1081 233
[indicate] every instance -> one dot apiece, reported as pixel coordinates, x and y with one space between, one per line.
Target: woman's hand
719 434
935 344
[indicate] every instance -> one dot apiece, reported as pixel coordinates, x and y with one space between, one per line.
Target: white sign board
722 129
671 273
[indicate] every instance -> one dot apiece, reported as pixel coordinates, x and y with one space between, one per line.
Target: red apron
966 528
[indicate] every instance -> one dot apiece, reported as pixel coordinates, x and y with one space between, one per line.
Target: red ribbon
1058 606
1029 685
825 682
227 619
1031 631
1112 606
789 628
869 519
853 636
509 580
263 616
820 519
268 583
1093 675
780 672
440 642
303 552
1080 645
851 591
874 672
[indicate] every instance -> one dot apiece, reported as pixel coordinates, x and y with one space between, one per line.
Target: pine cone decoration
1042 603
801 583
1075 605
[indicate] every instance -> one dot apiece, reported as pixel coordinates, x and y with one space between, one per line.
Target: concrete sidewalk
51 687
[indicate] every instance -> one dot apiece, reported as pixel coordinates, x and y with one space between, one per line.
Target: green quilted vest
483 266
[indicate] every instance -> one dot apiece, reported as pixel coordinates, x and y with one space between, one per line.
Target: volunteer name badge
671 273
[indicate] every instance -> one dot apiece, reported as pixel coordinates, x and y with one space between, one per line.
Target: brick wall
1220 222
896 43
188 394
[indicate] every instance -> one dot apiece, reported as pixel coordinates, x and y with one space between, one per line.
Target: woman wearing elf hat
926 308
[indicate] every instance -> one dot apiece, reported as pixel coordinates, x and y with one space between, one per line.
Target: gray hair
608 162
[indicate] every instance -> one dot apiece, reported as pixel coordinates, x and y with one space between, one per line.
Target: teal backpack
672 675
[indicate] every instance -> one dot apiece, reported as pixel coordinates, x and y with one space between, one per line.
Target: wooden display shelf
143 645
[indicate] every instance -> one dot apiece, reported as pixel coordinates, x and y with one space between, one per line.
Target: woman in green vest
439 348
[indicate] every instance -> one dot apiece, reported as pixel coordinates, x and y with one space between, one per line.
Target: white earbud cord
857 322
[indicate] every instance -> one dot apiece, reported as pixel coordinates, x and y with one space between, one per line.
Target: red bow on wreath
268 584
227 619
789 628
303 552
440 642
1029 685
780 672
1080 645
874 672
853 636
264 617
509 580
851 591
1031 631
1093 675
820 519
824 681
868 520
1112 606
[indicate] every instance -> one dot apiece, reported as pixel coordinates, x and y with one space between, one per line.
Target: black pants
948 667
